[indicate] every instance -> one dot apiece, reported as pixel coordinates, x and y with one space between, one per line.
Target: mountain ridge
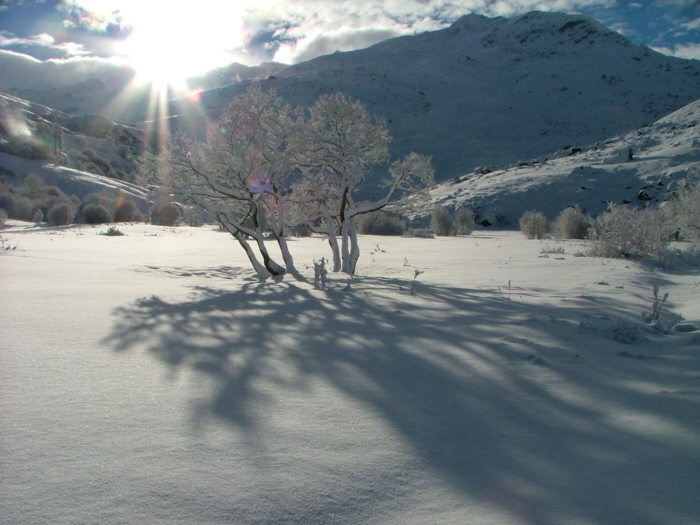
492 91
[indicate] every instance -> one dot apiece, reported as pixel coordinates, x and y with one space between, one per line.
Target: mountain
493 91
640 167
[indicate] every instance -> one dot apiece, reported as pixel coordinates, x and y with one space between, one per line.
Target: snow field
149 379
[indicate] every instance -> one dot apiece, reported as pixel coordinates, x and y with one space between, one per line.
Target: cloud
41 46
309 28
681 51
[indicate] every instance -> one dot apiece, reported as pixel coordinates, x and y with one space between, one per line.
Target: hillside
495 91
665 155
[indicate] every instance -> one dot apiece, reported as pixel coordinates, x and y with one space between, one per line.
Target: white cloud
305 28
681 51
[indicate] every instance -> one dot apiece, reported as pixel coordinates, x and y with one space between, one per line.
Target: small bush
165 215
60 214
125 210
534 225
382 223
464 221
23 209
623 231
571 223
38 217
442 222
112 231
390 224
96 214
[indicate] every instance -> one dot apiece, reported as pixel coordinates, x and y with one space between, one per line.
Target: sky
164 38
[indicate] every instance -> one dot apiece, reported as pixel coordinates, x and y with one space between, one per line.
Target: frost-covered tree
683 212
341 144
242 174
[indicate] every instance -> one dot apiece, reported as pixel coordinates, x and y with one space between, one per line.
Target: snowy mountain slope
665 155
80 155
70 181
495 91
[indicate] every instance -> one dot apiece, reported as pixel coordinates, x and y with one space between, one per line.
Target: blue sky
209 33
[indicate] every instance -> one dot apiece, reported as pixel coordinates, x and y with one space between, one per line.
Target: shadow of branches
528 407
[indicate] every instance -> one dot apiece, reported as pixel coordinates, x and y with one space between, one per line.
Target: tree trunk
354 247
345 246
333 242
270 265
260 270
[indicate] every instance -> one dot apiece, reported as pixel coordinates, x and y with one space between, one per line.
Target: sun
172 42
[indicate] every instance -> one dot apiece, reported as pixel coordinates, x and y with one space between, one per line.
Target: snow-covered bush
464 221
624 231
683 213
534 225
60 214
442 222
571 223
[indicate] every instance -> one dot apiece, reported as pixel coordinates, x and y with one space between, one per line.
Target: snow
149 378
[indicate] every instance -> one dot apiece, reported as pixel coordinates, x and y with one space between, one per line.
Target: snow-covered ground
149 379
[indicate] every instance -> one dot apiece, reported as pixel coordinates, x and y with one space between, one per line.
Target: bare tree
341 144
242 174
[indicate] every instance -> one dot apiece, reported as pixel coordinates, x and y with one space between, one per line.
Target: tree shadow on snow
528 408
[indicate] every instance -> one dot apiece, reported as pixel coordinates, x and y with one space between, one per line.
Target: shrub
623 231
571 223
683 214
26 147
534 225
96 214
7 202
112 231
442 222
464 221
60 214
126 210
389 224
382 223
23 208
165 215
38 217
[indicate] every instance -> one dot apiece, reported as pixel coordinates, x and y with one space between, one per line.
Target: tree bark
260 270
